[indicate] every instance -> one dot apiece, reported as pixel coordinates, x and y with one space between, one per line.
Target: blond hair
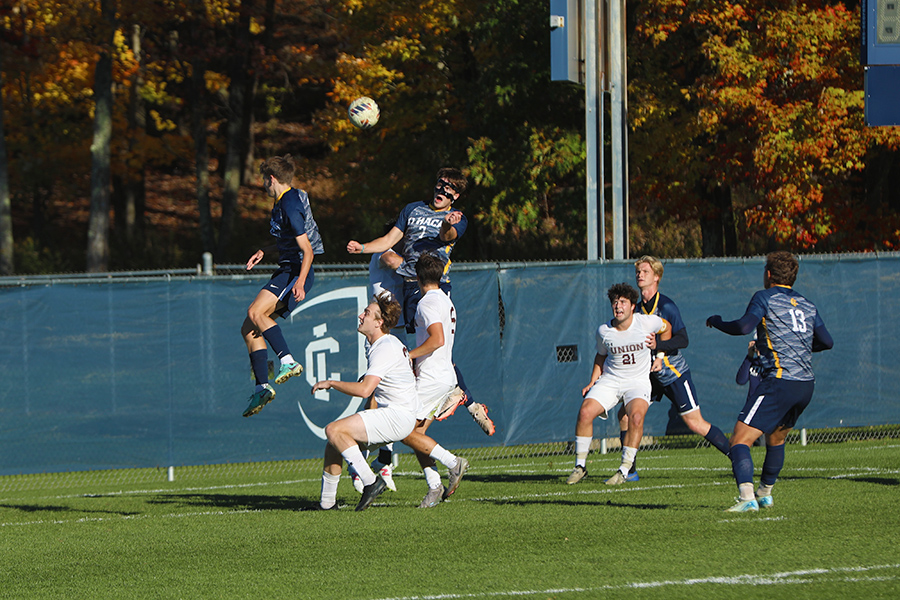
655 264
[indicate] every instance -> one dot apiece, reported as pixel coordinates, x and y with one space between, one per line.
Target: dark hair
429 269
279 167
622 290
456 177
782 267
390 310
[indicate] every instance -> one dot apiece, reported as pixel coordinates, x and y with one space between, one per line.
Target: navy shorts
776 403
411 296
281 284
681 392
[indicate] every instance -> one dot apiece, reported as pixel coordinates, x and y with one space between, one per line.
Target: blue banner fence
150 370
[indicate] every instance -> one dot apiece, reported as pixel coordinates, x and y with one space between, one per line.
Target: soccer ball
364 112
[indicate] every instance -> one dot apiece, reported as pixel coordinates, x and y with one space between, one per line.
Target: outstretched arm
361 389
381 244
742 326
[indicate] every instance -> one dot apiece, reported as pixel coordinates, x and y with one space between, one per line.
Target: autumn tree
749 117
7 266
465 84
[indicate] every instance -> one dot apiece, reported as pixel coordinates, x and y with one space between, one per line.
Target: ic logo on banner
336 352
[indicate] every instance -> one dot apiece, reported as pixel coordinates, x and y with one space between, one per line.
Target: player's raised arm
385 242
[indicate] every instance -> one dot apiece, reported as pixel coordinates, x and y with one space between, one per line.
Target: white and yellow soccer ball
364 112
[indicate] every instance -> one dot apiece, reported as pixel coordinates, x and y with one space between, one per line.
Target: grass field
513 530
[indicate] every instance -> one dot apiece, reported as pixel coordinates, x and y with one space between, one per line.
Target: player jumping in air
433 227
297 240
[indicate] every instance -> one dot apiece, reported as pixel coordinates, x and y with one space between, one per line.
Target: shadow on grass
584 502
39 508
233 501
514 478
877 480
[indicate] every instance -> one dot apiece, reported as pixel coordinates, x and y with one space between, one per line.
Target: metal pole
619 132
593 125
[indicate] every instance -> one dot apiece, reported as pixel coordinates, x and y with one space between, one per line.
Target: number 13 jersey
785 333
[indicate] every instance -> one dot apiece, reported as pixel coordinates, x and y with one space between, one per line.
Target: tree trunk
7 265
98 221
197 48
717 225
130 223
235 133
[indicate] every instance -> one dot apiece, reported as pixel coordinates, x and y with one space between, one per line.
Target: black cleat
370 492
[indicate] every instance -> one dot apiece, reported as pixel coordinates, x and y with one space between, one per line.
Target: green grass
514 529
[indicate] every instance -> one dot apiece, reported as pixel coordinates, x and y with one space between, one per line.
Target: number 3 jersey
627 354
785 333
421 227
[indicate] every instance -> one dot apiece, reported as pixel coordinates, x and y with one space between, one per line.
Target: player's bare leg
636 409
584 433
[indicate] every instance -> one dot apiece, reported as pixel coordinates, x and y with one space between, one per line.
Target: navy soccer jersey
421 227
785 332
674 364
291 217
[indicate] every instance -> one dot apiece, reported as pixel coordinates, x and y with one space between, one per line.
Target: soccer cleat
454 476
259 399
617 479
287 371
433 497
357 482
631 477
578 473
456 399
387 473
765 501
744 506
370 492
479 412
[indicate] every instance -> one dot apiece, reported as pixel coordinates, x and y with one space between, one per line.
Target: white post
618 80
803 436
593 131
207 263
171 473
602 445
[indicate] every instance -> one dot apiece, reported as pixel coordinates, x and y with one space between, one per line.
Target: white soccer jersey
388 359
436 307
627 354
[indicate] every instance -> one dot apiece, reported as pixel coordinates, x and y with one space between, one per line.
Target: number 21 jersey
627 354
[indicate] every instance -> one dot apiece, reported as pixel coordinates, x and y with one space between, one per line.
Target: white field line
806 576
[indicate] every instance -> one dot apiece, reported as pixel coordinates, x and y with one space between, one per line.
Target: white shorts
609 391
432 395
388 424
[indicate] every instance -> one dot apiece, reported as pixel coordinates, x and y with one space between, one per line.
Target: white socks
628 454
354 457
446 458
329 489
582 447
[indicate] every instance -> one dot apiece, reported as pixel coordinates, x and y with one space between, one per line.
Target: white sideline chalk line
806 576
